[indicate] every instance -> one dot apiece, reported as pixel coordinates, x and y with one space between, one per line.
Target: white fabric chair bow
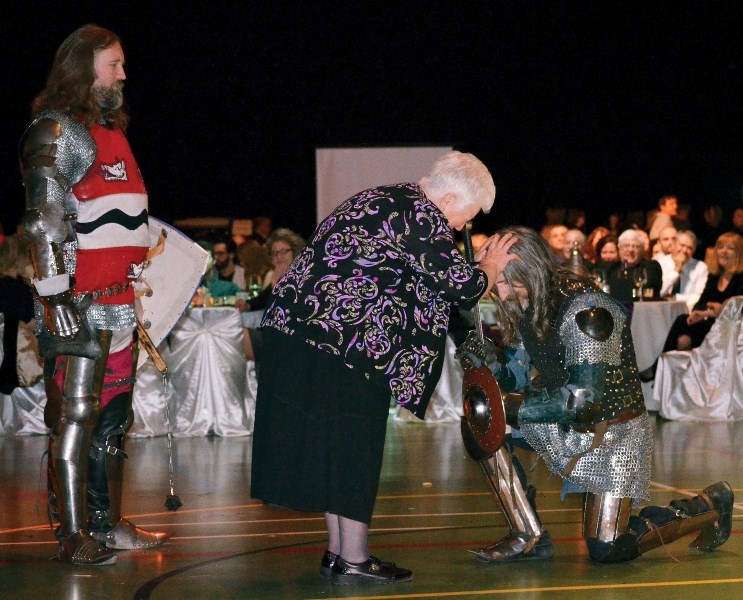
706 383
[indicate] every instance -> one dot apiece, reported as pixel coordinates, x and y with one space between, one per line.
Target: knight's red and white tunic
112 233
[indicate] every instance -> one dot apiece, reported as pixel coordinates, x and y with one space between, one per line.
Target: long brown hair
737 241
68 87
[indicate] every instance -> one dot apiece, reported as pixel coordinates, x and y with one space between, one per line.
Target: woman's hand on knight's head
496 251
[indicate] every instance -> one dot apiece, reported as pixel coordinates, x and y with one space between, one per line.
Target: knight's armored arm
578 401
509 365
44 226
591 333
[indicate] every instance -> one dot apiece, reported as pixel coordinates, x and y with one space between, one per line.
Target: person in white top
667 237
683 276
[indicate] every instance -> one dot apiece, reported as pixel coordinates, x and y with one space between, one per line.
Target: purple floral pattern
374 286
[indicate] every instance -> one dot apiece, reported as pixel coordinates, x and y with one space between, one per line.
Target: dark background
597 105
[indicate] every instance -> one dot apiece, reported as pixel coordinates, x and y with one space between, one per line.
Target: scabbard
150 348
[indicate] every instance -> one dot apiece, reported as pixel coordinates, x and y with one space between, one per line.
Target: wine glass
640 277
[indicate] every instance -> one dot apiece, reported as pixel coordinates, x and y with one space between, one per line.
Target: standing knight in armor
86 223
583 413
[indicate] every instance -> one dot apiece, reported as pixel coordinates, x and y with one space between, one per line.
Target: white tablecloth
651 322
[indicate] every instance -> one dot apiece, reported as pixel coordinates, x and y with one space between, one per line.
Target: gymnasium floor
433 505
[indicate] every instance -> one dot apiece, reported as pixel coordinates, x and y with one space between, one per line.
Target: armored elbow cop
569 404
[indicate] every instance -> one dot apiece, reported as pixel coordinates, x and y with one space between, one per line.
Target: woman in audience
725 280
607 250
589 249
283 246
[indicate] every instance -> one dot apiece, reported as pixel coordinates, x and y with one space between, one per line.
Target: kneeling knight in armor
568 387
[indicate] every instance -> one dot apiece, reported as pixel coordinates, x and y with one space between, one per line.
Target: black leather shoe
373 571
326 564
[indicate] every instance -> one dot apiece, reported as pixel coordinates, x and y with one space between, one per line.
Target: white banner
344 172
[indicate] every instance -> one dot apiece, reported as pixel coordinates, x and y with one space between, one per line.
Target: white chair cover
22 411
706 383
208 374
150 397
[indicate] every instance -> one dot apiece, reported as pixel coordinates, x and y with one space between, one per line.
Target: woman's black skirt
319 431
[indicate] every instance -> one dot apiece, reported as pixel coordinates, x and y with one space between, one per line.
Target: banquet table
651 321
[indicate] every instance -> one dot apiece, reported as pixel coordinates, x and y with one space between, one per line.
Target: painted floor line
533 590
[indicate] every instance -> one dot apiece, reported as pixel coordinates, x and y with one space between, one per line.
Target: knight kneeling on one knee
567 384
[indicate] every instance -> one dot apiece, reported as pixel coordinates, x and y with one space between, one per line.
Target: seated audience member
555 236
621 275
225 268
254 259
607 255
725 280
607 250
681 220
737 221
262 227
589 250
216 287
710 230
664 245
283 246
646 248
575 239
667 209
683 276
16 306
576 218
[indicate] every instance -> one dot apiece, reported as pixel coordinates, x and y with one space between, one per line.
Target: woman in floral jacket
360 317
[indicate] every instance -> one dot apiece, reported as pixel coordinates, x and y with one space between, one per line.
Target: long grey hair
536 271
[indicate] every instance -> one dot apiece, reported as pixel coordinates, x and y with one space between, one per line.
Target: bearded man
86 223
583 414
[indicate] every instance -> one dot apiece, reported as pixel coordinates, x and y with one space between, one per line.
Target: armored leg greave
68 459
613 535
527 538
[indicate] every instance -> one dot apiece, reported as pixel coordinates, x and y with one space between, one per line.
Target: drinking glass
640 277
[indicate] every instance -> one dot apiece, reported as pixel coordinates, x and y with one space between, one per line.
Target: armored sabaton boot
710 513
527 538
106 464
69 450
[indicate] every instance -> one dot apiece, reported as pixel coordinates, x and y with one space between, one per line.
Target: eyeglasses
277 253
220 252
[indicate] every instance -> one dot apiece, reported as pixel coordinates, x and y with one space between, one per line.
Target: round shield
483 408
